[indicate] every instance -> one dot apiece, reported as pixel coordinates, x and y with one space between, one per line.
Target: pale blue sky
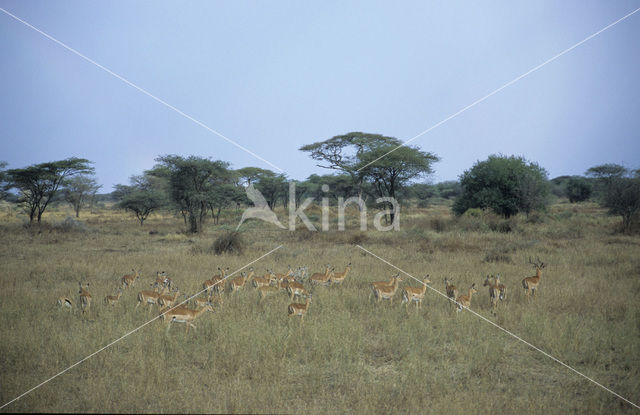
274 76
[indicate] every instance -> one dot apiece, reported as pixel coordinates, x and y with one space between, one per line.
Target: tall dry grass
351 354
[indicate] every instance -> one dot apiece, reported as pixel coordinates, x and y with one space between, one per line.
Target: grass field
351 354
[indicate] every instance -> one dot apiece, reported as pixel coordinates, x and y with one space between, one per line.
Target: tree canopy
39 183
507 185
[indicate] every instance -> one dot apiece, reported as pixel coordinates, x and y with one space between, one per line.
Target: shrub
230 242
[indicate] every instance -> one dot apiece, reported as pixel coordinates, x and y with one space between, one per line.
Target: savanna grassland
350 354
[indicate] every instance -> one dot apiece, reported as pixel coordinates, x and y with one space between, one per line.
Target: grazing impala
129 280
465 300
383 292
415 294
452 291
113 299
150 297
338 277
85 297
296 309
183 315
296 289
530 284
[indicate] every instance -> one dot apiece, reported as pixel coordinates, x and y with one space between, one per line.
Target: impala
285 276
385 292
113 299
167 301
183 315
296 289
323 279
150 297
296 309
129 280
530 284
502 289
263 281
338 277
452 291
210 285
201 302
218 286
415 294
65 302
239 282
321 276
85 297
465 300
375 285
267 290
494 291
162 281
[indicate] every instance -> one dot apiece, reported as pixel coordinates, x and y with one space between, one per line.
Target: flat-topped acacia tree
382 162
39 183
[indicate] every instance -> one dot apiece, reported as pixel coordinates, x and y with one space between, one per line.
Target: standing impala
150 297
129 280
338 277
296 309
239 282
264 281
494 292
415 294
530 284
268 290
113 299
452 291
296 289
318 276
387 292
375 285
183 315
323 279
85 297
166 301
465 300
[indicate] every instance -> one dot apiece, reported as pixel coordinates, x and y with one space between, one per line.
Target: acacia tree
389 167
39 183
192 183
77 189
620 191
144 196
507 185
379 161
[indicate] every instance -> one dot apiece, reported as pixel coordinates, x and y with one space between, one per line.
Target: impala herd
165 294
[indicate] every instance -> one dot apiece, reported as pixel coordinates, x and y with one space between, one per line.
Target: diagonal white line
129 333
513 81
505 330
150 95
